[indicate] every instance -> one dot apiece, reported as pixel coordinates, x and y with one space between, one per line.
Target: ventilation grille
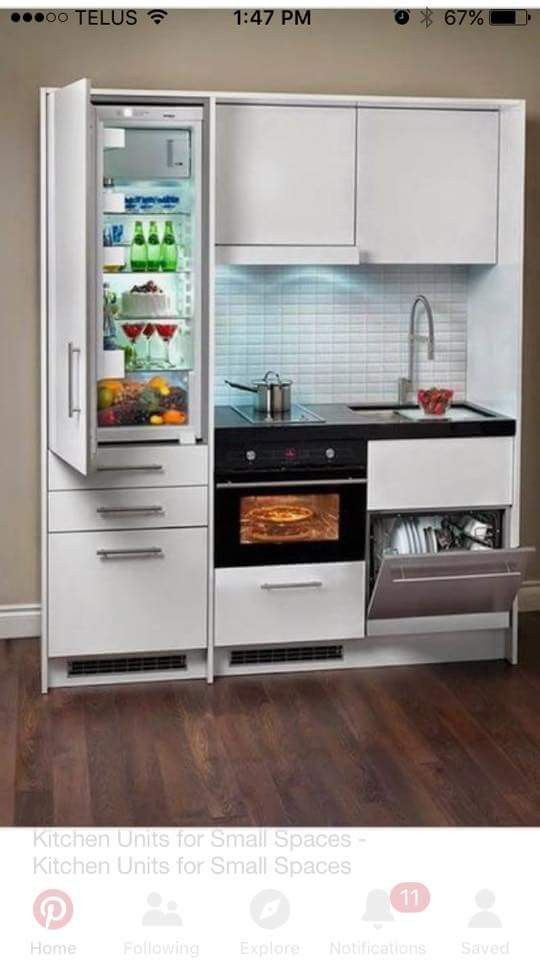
145 664
285 655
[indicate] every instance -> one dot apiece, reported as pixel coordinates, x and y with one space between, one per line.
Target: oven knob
251 455
330 453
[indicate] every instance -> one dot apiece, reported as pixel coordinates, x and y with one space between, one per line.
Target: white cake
146 305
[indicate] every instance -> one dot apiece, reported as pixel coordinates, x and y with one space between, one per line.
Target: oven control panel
283 456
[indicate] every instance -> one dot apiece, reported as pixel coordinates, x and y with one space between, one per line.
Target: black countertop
341 421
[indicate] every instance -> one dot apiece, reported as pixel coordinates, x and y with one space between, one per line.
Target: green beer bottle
154 248
139 251
169 250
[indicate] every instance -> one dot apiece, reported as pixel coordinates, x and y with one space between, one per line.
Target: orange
174 416
158 383
114 386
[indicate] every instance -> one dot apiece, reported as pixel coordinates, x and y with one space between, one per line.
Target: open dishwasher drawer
441 572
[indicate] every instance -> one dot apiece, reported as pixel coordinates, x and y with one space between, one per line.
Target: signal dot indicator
27 17
39 17
15 17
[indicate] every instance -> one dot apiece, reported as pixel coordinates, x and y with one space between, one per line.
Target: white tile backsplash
339 332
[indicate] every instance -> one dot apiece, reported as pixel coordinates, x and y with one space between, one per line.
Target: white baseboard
24 619
529 596
20 620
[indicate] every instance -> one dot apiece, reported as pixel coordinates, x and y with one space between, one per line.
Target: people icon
485 918
378 908
156 916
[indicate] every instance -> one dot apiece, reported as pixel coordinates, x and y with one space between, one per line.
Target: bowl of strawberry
435 401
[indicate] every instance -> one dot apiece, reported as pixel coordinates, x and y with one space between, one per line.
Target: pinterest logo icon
53 909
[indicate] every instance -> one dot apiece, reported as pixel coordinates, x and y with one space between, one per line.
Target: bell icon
378 908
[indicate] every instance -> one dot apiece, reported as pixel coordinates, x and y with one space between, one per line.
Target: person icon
172 917
157 917
378 908
485 918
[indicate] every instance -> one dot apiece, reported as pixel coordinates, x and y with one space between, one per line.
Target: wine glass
166 332
133 331
148 332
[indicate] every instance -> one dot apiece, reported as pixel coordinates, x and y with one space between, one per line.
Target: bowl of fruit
435 401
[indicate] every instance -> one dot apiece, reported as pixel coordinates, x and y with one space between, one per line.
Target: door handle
72 352
449 578
136 553
146 467
112 511
293 585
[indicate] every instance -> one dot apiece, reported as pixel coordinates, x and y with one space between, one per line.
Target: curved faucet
405 384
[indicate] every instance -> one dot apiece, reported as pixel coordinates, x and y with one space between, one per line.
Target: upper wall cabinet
285 189
427 185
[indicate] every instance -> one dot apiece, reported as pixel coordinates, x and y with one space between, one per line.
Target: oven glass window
291 518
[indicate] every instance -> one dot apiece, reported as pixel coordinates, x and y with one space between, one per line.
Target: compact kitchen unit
160 557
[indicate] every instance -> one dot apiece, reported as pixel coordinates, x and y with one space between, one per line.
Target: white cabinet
428 474
128 591
303 603
285 176
427 185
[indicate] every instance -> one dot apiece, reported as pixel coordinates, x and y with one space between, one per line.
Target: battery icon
509 18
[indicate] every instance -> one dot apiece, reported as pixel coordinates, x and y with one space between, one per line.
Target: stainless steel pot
272 395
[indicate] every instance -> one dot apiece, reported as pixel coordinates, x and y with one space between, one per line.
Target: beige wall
343 52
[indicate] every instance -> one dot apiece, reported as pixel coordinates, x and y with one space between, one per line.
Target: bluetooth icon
427 17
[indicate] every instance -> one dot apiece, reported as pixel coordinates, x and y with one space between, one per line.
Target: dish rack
448 526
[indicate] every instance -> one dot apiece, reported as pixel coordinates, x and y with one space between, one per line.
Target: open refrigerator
148 225
123 283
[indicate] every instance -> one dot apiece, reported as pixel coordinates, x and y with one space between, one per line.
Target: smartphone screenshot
269 510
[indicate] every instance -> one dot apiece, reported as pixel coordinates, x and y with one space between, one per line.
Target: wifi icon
157 16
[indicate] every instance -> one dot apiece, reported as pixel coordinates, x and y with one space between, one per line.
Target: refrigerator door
71 275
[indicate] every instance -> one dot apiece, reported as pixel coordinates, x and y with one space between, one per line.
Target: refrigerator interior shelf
154 214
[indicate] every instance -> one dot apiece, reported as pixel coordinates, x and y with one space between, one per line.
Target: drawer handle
458 576
145 467
293 585
137 553
121 511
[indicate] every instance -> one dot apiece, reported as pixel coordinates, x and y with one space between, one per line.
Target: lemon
105 398
156 420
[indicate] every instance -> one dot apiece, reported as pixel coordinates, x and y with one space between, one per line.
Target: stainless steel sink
375 413
416 415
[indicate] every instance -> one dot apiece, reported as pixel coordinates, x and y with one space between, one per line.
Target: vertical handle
72 351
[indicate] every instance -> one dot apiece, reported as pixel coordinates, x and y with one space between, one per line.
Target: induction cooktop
296 414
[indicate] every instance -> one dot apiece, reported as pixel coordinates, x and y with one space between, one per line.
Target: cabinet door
131 591
285 175
71 274
427 185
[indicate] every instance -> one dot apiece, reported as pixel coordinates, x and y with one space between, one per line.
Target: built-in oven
278 503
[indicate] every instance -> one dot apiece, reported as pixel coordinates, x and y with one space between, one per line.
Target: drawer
128 509
426 474
144 465
127 592
289 604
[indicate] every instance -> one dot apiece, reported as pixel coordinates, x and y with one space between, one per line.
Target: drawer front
150 596
426 474
128 509
289 604
137 466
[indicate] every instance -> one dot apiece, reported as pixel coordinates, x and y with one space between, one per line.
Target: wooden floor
423 746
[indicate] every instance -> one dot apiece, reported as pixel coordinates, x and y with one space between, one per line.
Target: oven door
300 521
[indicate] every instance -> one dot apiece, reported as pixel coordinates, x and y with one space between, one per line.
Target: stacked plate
413 535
